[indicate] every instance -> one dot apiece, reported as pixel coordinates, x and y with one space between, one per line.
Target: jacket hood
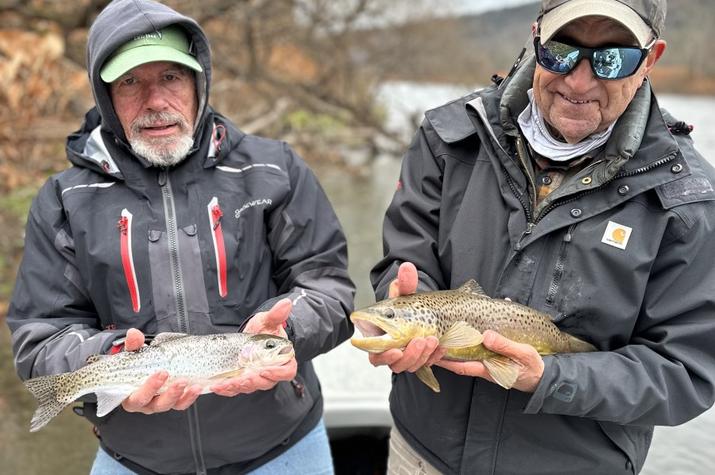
123 20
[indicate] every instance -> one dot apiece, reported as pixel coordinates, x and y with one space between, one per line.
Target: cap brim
134 57
560 16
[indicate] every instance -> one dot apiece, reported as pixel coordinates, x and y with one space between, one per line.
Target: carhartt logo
616 235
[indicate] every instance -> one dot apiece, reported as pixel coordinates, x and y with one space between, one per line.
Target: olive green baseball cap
167 44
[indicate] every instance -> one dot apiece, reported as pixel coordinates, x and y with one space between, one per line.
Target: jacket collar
94 148
641 121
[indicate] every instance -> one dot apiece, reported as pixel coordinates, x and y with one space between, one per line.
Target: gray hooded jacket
647 302
113 243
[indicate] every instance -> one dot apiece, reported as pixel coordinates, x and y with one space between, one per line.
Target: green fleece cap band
167 44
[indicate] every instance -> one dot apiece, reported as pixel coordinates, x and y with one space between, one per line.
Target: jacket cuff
545 388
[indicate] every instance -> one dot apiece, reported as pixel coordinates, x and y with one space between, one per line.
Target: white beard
164 154
163 151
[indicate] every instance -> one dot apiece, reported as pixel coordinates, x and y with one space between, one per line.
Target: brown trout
458 318
199 359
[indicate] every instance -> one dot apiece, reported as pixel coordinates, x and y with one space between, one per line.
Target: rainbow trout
458 318
199 359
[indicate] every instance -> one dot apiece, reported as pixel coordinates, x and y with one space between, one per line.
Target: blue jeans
310 456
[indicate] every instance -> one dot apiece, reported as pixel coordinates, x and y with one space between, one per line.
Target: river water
66 445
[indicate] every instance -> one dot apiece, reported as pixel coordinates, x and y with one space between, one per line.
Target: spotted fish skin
458 318
198 359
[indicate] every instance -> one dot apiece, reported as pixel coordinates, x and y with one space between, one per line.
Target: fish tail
577 345
44 388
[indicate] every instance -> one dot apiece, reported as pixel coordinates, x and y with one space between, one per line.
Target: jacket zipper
172 232
559 267
125 238
215 215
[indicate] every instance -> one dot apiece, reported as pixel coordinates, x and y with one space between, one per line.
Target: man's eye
128 81
172 76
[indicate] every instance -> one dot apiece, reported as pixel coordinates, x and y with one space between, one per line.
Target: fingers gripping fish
458 318
199 359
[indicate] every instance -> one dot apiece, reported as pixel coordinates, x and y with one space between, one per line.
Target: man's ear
534 29
655 53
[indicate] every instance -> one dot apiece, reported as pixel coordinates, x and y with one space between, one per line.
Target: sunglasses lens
616 63
606 63
557 57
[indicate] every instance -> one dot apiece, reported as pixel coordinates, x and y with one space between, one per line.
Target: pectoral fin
503 370
107 401
461 335
427 376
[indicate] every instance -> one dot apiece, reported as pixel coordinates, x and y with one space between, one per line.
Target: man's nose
581 77
155 97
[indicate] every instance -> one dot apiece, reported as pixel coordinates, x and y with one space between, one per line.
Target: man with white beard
173 220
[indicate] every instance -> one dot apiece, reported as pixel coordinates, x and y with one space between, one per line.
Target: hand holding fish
269 322
146 399
526 356
495 339
420 351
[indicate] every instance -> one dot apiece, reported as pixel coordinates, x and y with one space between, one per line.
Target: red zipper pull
215 215
124 225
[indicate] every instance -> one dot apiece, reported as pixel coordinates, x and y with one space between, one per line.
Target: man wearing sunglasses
566 188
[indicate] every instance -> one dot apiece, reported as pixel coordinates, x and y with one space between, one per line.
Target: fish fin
503 370
577 345
164 337
426 375
461 335
94 358
108 400
472 287
229 374
44 388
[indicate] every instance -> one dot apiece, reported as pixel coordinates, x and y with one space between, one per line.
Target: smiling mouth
575 101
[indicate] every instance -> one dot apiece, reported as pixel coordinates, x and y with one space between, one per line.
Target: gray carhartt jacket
644 297
114 243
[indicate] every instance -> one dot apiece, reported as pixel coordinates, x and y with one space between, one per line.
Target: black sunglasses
608 62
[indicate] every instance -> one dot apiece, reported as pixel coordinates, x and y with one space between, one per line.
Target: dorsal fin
472 287
94 358
164 337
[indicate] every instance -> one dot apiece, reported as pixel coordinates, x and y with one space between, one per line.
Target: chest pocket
238 260
178 287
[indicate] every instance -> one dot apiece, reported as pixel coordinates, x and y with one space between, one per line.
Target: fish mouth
285 354
378 334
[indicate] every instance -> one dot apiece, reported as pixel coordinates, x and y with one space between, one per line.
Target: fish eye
270 345
389 313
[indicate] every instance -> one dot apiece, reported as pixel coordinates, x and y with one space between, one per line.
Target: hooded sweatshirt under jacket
114 243
621 255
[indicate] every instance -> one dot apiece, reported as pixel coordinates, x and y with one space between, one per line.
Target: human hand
269 322
526 360
419 351
146 399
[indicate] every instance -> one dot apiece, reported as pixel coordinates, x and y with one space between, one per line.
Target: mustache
153 118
